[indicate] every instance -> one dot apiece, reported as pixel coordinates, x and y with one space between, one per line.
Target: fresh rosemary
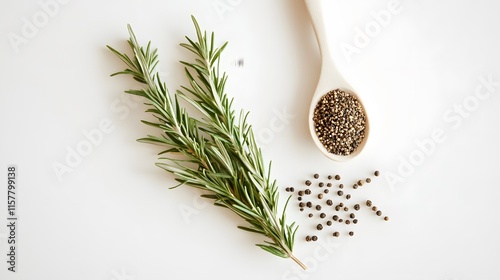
217 152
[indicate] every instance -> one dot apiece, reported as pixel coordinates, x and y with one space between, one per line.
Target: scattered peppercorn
356 207
368 203
336 234
337 177
376 173
322 215
316 176
319 227
351 233
379 213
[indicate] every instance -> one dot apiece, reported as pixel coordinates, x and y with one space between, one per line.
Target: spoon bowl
330 79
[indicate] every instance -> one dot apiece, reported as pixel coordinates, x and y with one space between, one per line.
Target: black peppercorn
301 193
336 234
301 209
386 218
292 189
318 207
360 183
302 204
316 176
337 177
340 193
319 227
314 238
341 204
330 177
355 221
341 220
322 215
356 207
348 196
329 202
326 191
321 184
346 208
379 213
351 233
320 196
376 173
337 208
368 180
335 217
347 222
341 186
287 189
307 191
329 185
352 216
368 203
310 215
308 183
374 208
355 186
299 198
328 223
308 238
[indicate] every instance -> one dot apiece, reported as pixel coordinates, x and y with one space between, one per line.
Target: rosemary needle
217 152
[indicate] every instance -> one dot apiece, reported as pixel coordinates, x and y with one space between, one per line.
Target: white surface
113 216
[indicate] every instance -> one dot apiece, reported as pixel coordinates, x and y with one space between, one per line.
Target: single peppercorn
320 196
287 189
321 184
319 227
352 216
351 233
326 191
299 198
292 189
314 238
355 221
309 204
337 208
340 193
376 173
322 215
329 185
386 218
301 193
310 215
302 204
337 177
341 204
374 208
318 207
330 177
308 183
379 213
308 238
346 208
341 220
336 234
348 196
328 223
301 209
360 183
368 203
341 186
316 176
335 217
368 180
329 202
356 207
355 186
307 191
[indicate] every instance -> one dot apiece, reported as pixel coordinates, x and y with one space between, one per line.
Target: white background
111 216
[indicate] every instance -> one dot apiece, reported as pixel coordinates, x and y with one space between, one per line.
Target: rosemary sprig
217 152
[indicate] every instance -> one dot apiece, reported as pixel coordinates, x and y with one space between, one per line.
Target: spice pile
339 122
332 203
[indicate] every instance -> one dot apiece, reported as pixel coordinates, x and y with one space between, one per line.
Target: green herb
217 152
